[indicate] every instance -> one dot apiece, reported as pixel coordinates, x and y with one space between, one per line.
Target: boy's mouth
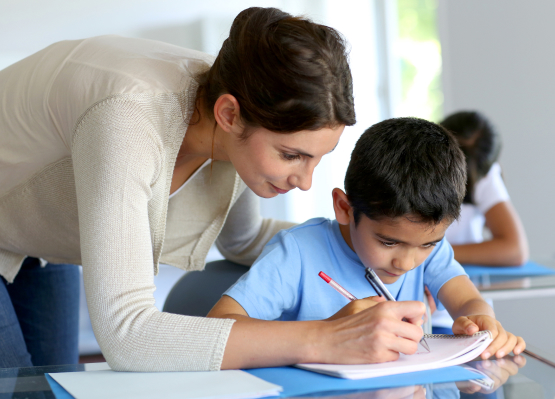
391 274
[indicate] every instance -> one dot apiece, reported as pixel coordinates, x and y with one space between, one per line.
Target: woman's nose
303 179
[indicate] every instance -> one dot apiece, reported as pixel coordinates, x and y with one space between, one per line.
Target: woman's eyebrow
299 152
306 154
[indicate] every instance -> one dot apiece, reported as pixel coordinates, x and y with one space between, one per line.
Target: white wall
498 58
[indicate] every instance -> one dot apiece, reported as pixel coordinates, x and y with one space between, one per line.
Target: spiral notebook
445 350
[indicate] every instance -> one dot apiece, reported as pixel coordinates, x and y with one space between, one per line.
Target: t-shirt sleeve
441 267
490 190
271 286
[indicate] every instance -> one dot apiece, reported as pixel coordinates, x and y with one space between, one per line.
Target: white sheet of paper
108 384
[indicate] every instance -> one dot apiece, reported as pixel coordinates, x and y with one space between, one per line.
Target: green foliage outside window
419 50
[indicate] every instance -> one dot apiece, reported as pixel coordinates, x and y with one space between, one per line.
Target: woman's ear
341 206
227 113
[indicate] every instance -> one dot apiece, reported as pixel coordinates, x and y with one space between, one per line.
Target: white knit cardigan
89 134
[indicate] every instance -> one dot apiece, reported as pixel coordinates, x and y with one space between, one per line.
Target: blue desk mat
528 269
297 382
58 391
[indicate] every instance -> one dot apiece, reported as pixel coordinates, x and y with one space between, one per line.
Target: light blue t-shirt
283 283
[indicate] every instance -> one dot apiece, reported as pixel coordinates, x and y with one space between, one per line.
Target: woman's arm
375 335
508 246
118 162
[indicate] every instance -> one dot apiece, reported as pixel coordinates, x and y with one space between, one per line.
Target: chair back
197 292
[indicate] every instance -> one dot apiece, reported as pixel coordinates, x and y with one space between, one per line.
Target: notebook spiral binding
458 336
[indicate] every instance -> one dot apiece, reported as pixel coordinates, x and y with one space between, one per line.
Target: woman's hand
503 341
357 306
373 335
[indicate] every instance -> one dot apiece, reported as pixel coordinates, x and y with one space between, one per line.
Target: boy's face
392 247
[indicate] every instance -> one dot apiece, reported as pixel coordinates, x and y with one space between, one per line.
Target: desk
525 306
536 380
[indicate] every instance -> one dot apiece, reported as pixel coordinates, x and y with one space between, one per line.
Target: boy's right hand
357 306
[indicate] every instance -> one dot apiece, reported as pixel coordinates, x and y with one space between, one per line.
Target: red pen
337 287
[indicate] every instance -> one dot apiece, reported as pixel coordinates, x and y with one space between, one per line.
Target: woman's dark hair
406 167
479 142
287 73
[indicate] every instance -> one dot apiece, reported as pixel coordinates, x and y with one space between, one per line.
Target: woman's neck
201 140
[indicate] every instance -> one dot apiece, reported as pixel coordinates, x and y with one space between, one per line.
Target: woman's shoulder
109 65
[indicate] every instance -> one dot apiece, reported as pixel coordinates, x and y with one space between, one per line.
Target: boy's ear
227 113
341 206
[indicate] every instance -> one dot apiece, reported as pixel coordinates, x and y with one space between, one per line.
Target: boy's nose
405 263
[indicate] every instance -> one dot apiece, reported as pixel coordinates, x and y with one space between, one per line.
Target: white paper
108 384
444 351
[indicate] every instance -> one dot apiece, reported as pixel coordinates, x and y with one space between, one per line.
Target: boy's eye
290 157
388 244
431 245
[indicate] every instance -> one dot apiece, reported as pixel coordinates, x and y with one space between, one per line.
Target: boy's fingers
463 325
507 347
519 347
497 343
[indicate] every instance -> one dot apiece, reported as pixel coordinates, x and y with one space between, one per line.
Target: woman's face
274 163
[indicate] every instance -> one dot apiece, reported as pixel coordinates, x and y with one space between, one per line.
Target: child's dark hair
479 142
287 73
406 166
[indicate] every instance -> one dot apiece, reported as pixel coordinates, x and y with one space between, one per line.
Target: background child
486 203
404 186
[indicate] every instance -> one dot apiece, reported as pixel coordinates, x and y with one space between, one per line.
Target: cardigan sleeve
118 158
245 232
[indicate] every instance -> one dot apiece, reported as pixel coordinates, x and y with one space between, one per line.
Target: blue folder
302 382
528 269
297 382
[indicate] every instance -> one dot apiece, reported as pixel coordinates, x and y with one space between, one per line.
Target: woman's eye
290 157
388 243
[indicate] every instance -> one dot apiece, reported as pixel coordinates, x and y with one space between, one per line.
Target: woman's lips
278 190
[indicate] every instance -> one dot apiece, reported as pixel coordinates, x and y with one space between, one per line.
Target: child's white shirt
469 228
489 191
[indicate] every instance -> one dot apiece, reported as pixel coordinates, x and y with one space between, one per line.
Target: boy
404 187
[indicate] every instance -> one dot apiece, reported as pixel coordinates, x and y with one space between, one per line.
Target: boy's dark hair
406 166
479 142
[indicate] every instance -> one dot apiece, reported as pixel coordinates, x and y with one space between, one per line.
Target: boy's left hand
503 341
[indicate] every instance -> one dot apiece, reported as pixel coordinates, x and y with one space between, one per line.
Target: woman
97 133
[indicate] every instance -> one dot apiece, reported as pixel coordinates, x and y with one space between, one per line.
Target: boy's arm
227 307
472 314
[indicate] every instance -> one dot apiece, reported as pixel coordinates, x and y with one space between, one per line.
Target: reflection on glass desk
508 378
487 283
